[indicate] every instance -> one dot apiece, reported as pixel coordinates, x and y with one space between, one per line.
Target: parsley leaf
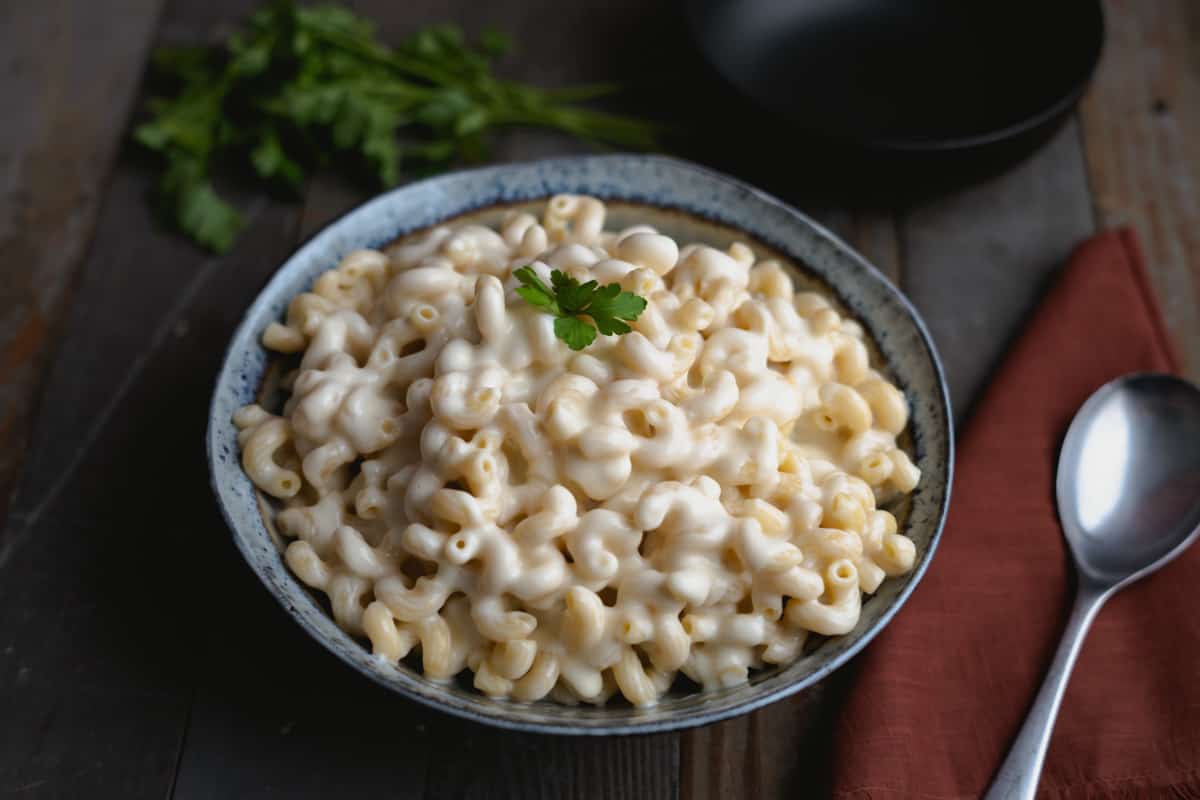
299 87
534 292
575 332
272 162
198 210
573 297
207 218
570 301
617 306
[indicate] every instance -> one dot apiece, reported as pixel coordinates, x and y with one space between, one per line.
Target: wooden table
138 655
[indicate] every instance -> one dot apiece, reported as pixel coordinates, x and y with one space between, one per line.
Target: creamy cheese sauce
698 495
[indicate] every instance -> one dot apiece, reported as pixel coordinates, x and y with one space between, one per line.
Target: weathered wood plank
113 583
275 716
107 338
781 751
976 261
1141 132
872 232
468 762
64 117
107 562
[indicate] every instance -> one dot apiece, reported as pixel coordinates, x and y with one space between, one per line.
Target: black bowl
906 76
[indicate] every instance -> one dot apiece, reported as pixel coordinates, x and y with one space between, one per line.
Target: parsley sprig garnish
573 304
301 86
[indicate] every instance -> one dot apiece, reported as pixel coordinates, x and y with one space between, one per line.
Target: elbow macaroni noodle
697 496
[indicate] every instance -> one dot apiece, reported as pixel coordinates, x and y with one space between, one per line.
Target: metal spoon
1129 502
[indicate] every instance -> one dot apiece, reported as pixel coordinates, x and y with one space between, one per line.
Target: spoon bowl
1129 477
1129 500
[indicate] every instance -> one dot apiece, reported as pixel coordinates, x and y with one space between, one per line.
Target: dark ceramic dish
912 76
682 200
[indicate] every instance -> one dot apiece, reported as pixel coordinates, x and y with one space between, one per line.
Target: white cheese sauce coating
696 496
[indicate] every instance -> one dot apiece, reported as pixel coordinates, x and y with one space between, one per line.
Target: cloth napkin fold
939 696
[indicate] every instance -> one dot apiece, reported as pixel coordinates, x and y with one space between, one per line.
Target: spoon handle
1018 776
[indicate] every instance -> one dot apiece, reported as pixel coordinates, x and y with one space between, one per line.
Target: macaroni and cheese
698 495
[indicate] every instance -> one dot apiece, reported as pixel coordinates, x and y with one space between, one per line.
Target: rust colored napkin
941 693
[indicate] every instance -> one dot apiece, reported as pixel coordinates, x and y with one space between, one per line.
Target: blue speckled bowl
683 200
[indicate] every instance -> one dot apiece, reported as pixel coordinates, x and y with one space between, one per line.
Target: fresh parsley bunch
301 86
573 304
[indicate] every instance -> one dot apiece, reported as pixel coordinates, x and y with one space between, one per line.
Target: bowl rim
701 717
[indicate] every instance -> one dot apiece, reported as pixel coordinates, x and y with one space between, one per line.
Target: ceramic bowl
680 199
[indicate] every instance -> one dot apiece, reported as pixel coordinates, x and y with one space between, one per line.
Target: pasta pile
696 496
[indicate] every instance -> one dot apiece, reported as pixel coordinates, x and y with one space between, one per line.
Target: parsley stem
512 103
584 123
386 58
300 86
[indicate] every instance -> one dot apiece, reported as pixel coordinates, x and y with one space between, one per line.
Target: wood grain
54 157
976 261
1141 129
116 578
874 233
473 763
768 754
109 560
